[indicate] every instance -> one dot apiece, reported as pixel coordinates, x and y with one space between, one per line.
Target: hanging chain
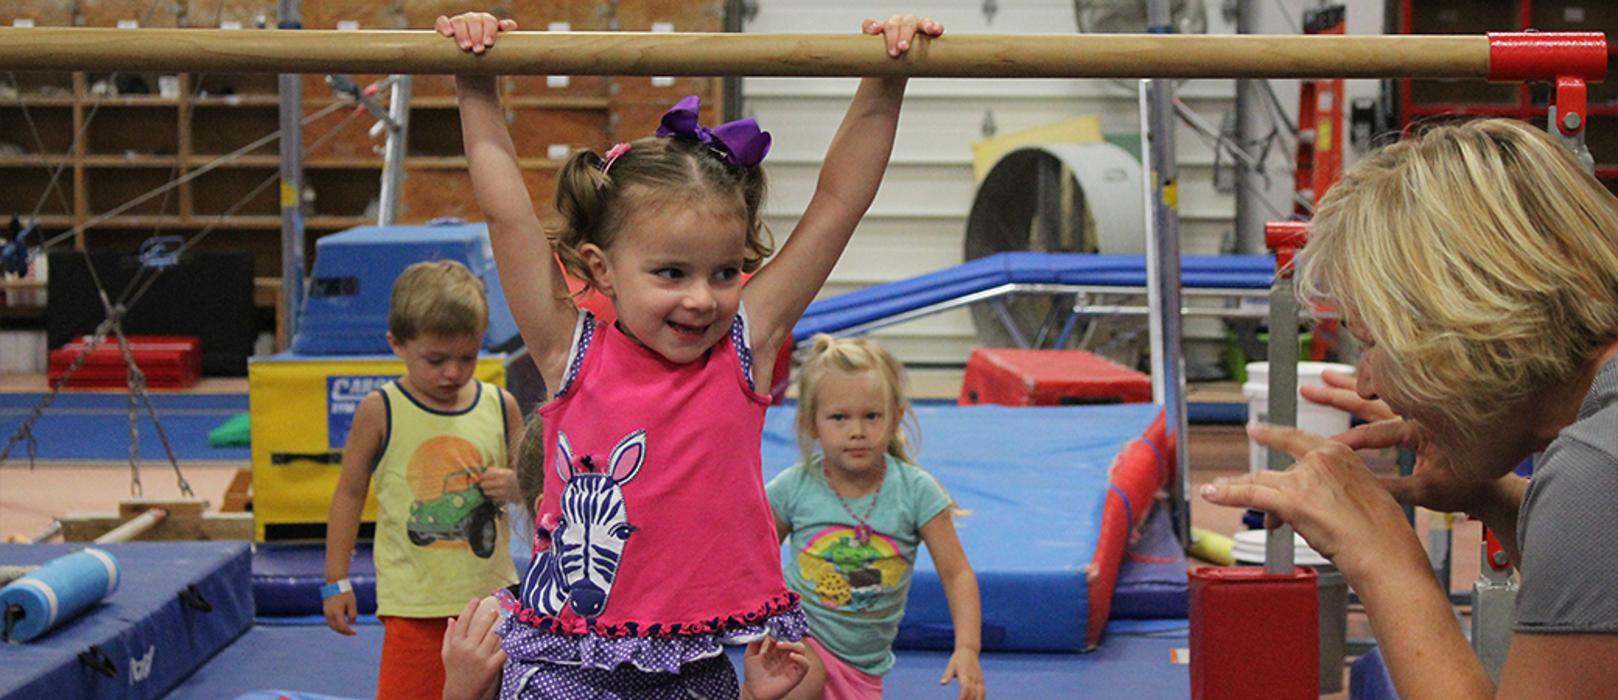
137 388
26 431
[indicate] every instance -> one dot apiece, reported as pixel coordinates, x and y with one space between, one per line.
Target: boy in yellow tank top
437 443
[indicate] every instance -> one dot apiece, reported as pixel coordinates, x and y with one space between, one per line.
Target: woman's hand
964 664
1328 496
1339 393
473 31
471 651
771 669
1434 483
901 30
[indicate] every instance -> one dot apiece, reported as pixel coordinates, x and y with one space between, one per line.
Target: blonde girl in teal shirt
854 512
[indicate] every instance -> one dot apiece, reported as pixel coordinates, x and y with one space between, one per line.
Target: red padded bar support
1515 56
1285 238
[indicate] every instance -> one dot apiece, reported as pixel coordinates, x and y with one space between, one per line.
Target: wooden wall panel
212 13
352 142
534 131
107 13
580 16
430 194
684 16
44 13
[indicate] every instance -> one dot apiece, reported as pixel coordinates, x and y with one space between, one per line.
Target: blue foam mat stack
173 606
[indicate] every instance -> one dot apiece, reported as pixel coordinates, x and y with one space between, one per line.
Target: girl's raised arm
533 283
849 178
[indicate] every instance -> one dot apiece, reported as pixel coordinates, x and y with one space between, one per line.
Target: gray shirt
1568 520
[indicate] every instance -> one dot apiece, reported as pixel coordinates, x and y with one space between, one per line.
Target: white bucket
1312 417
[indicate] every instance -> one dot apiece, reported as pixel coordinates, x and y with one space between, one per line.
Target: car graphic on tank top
460 512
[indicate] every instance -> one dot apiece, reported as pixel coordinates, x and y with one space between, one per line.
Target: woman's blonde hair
595 200
854 356
1480 257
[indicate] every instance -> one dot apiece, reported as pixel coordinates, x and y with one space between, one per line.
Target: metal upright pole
1250 194
1283 401
1163 275
291 91
393 153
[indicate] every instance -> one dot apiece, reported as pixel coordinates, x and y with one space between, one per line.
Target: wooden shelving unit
128 144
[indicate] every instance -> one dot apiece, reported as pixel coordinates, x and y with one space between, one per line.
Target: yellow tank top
439 540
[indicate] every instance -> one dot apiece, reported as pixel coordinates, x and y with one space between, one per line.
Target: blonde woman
1478 266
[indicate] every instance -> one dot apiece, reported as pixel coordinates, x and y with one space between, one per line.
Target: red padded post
1285 238
1571 60
1254 635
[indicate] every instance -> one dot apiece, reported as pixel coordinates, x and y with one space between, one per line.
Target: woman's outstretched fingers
1259 490
1394 432
1289 440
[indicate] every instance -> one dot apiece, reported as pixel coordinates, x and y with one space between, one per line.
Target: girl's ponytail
582 194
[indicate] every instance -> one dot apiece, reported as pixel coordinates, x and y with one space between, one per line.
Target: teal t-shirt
853 593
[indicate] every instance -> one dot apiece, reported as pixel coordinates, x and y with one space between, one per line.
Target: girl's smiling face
674 274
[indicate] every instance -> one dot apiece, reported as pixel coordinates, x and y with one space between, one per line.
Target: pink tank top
654 517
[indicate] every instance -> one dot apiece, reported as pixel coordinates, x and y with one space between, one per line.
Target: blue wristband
337 587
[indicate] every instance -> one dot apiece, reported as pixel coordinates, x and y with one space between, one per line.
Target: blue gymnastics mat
104 417
311 662
1034 481
176 605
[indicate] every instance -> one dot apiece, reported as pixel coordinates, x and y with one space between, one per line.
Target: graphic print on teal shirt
850 575
854 592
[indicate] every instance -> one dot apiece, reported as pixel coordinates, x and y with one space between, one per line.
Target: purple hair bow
741 141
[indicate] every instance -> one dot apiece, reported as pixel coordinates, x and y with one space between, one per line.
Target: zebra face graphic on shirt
588 540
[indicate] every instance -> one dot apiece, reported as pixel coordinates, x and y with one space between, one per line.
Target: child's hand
899 30
341 611
964 665
500 485
471 651
771 669
473 31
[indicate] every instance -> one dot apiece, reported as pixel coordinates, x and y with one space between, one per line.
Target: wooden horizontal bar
86 527
649 53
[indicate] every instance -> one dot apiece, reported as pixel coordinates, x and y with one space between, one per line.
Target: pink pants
844 682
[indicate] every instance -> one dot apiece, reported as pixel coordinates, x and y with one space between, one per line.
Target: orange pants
411 665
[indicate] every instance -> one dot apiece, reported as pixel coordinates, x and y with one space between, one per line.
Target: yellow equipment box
301 407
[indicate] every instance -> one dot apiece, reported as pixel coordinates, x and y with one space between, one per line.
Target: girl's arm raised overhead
533 283
849 177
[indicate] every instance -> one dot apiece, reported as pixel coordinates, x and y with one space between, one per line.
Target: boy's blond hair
441 298
1481 257
854 356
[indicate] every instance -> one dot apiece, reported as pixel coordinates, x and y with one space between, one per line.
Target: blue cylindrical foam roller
58 591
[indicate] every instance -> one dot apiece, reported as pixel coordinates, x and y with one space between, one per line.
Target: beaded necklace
864 531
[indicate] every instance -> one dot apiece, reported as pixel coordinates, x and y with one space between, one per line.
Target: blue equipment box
346 309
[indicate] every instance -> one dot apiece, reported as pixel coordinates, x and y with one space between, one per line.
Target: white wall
918 221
